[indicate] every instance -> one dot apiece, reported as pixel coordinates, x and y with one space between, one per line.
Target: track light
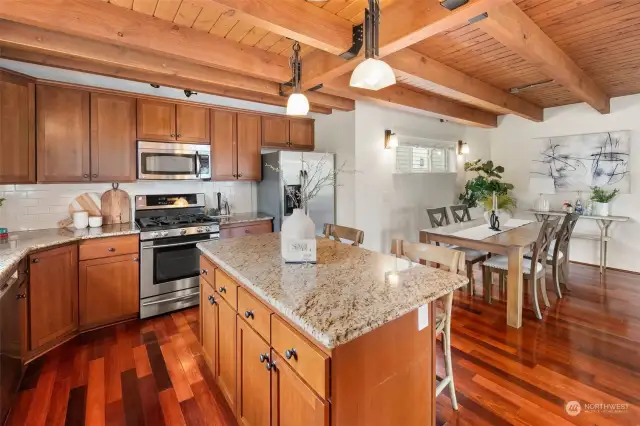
372 74
298 104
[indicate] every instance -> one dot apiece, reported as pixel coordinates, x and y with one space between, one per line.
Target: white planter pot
298 238
503 216
600 209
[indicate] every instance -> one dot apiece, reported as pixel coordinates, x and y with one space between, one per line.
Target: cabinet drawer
106 247
255 313
307 360
227 288
207 271
244 229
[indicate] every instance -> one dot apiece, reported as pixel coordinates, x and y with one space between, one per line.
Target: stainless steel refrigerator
293 169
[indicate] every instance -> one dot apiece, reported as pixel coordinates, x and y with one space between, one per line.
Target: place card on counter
299 251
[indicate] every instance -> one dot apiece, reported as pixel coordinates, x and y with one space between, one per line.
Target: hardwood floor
151 372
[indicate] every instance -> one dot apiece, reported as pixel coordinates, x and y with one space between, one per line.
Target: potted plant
488 181
505 203
601 199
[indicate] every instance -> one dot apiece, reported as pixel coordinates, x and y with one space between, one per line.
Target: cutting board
88 201
116 206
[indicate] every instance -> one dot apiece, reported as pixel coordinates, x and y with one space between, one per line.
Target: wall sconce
463 148
390 139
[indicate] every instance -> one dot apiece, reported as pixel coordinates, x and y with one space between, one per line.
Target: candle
495 202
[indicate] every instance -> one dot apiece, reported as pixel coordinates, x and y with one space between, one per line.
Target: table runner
481 232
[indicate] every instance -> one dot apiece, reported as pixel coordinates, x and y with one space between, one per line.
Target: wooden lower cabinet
242 229
253 389
293 403
109 290
53 295
209 323
226 366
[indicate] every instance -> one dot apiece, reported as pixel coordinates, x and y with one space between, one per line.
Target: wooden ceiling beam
514 29
463 87
295 19
402 24
401 96
24 37
106 22
143 77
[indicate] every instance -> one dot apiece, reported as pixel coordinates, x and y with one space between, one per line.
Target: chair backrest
564 233
545 236
415 252
340 233
438 217
460 213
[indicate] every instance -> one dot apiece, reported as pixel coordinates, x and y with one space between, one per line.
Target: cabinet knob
240 175
111 249
94 175
249 314
135 259
178 135
291 353
203 272
212 300
36 260
271 366
173 135
222 290
86 175
263 358
21 296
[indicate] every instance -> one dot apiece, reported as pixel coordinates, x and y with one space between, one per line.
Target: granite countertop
349 292
19 244
244 217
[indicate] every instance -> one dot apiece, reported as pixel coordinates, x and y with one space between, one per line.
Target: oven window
168 164
175 263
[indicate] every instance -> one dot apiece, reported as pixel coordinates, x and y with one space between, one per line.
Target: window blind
414 159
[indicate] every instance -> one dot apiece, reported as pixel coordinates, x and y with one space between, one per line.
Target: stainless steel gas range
170 227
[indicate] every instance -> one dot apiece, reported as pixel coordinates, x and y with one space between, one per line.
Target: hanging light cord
372 29
296 67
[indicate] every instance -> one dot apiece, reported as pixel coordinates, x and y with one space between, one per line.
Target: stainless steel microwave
173 161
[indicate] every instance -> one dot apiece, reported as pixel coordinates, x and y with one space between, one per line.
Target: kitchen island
348 341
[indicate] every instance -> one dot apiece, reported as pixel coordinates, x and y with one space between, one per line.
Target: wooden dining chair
340 233
438 217
533 269
460 213
451 260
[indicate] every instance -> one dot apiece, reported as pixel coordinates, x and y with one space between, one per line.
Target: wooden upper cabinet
301 134
248 147
275 132
293 403
223 145
156 120
253 401
192 124
53 294
62 134
17 129
108 290
113 138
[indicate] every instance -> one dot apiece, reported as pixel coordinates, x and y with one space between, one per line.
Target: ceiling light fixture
298 104
372 74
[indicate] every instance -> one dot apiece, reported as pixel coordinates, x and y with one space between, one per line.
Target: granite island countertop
349 292
243 218
19 244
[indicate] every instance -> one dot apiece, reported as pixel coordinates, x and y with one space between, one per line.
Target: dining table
514 239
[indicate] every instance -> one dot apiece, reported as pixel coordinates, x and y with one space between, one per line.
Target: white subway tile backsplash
37 210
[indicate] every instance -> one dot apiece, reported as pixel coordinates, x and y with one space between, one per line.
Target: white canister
95 221
80 219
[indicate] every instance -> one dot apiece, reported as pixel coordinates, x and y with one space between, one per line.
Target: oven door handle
173 299
174 245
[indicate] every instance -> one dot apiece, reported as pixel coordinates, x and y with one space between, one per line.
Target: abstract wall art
579 162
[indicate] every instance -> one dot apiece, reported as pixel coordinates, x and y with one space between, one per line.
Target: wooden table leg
514 287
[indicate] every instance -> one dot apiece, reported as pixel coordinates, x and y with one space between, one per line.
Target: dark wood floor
152 372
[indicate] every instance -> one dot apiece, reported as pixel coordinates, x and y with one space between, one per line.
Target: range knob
155 235
164 233
183 232
205 229
200 230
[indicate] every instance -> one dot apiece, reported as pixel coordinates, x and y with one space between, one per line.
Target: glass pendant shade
372 74
298 104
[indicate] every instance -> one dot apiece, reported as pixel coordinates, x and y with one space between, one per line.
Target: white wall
511 147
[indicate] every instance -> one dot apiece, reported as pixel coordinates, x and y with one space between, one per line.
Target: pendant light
298 104
372 74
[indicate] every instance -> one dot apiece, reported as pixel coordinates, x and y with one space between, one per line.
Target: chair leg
556 279
536 306
470 276
543 288
487 277
502 285
446 338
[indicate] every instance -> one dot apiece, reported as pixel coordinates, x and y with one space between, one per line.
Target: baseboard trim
608 267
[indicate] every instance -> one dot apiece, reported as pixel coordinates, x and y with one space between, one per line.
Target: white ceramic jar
95 221
80 219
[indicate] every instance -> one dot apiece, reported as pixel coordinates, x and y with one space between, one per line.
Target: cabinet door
113 138
223 145
275 132
156 120
108 290
53 294
192 124
62 134
209 324
254 380
302 134
293 402
226 365
17 129
248 146
262 227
